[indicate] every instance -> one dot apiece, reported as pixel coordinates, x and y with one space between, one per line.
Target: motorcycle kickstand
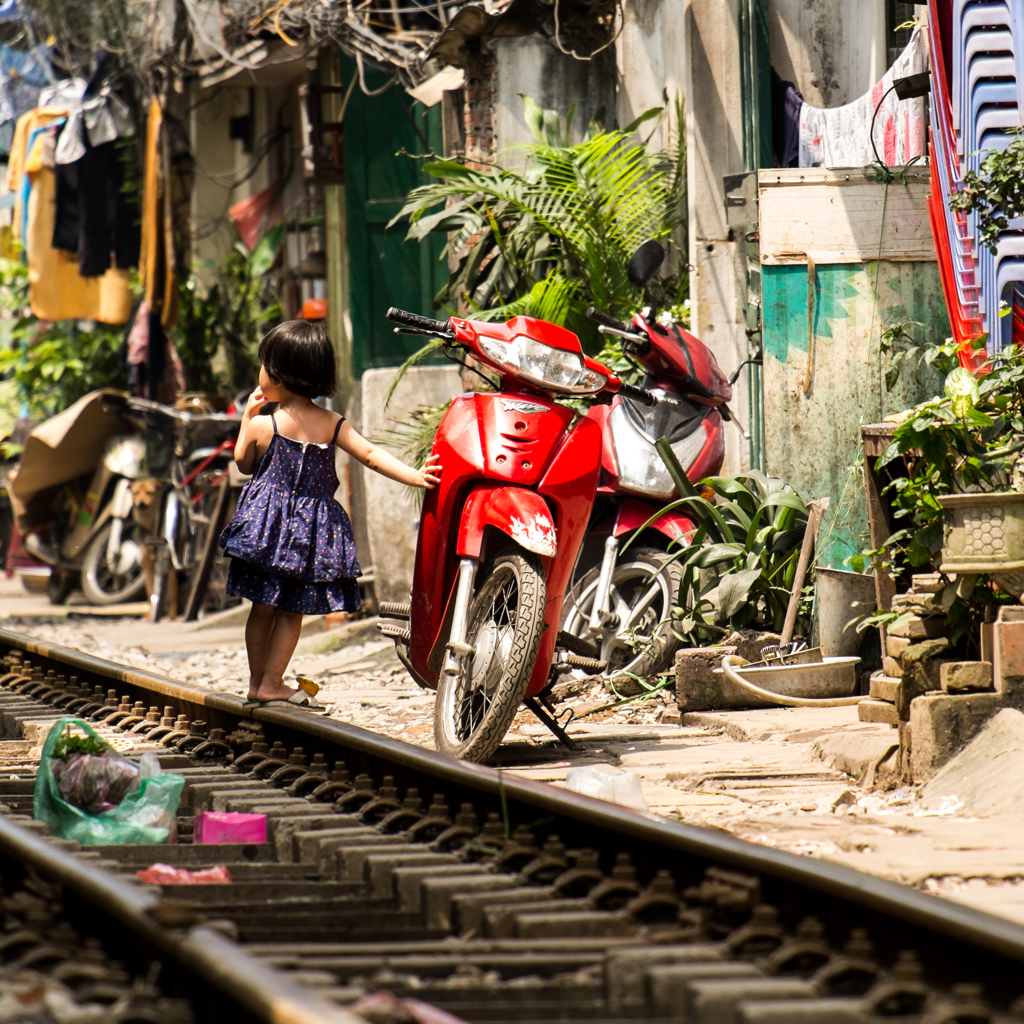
552 723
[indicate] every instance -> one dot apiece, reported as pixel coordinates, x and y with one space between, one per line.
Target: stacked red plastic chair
977 100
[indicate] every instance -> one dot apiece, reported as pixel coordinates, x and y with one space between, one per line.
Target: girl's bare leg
258 628
281 647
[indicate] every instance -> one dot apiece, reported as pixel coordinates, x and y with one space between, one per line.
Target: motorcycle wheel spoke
475 697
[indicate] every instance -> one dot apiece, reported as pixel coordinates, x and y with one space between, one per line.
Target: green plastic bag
146 815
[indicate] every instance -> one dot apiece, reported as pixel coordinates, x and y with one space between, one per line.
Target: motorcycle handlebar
638 395
595 314
420 323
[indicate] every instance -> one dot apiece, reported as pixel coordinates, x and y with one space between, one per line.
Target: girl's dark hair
299 355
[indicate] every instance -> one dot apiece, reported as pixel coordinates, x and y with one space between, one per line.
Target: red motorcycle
622 603
499 538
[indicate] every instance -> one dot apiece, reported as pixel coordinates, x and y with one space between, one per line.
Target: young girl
291 543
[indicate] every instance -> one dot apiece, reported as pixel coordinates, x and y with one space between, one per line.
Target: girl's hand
430 474
256 402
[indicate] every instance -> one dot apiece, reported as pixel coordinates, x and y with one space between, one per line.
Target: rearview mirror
644 263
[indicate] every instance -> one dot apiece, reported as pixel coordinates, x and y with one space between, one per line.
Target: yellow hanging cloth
157 272
16 161
150 201
56 289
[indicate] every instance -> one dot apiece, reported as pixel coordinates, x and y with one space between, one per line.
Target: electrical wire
573 53
362 80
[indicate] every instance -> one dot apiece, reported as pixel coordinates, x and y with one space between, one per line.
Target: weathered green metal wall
813 441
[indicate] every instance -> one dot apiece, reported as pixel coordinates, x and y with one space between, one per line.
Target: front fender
675 525
521 514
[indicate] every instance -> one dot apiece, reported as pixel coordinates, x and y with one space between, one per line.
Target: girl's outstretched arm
380 461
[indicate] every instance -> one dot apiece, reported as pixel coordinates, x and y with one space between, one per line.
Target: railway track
396 882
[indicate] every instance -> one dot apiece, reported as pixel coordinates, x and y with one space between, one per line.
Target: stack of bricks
911 661
913 664
478 114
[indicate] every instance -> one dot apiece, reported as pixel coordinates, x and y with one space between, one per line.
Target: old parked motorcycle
93 537
622 600
499 537
150 508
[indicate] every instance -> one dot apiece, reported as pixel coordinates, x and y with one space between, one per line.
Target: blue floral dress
290 541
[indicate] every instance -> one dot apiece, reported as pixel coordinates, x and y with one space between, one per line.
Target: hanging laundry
786 104
94 217
97 117
253 216
10 10
27 124
157 264
22 77
840 136
154 370
56 289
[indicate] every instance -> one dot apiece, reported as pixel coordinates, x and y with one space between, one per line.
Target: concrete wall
532 65
651 61
832 50
384 513
715 148
222 168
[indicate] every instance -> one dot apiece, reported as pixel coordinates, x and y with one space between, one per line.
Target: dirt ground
786 778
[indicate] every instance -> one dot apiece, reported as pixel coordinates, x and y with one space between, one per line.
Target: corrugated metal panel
812 440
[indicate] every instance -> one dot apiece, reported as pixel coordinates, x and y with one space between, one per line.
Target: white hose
729 664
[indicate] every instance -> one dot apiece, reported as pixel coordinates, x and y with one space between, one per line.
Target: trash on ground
605 782
86 791
947 805
229 827
166 874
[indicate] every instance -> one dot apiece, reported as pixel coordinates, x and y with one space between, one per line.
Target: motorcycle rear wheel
475 708
103 583
632 579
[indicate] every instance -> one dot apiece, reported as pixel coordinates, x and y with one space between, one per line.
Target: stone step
884 687
878 711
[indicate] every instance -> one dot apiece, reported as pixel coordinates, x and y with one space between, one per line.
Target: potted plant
964 489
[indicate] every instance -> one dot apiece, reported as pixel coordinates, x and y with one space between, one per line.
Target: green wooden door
385 270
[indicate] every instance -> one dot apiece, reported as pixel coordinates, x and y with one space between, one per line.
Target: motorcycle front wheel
644 589
475 708
112 581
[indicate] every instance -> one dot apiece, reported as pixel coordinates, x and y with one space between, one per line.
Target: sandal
299 699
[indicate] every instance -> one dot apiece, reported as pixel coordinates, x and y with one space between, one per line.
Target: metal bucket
842 596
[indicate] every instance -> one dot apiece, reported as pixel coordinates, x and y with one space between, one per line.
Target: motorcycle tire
103 584
631 580
506 619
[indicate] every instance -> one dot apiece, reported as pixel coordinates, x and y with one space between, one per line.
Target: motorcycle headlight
641 467
548 367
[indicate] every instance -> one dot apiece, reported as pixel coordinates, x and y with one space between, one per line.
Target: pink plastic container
229 827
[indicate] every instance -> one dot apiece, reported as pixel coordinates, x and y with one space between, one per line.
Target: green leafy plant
554 237
908 355
968 439
739 567
52 364
995 192
70 742
229 317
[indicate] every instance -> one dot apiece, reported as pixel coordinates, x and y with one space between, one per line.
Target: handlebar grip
603 318
638 395
423 323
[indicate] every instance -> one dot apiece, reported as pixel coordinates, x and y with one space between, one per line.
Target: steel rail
955 940
198 953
